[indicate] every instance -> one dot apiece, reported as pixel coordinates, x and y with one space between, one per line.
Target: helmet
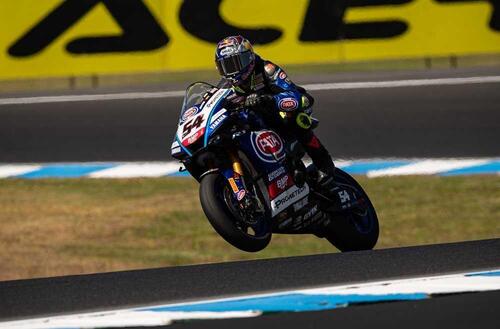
235 58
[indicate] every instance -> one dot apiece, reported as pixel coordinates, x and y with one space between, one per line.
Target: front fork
235 177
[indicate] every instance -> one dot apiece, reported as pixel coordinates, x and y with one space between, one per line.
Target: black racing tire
351 232
222 219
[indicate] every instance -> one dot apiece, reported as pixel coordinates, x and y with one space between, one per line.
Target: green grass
71 226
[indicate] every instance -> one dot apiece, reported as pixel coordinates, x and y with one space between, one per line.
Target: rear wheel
356 229
223 212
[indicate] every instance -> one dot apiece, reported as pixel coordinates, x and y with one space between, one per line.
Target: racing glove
254 100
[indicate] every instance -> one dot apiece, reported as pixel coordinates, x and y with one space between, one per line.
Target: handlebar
236 106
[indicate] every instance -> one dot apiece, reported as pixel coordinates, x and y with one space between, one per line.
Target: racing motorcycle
253 182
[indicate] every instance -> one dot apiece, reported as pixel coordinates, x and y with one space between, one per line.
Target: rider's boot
325 181
322 160
295 152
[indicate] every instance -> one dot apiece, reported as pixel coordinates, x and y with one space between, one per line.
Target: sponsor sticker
227 51
288 104
282 182
344 196
240 195
188 140
218 121
270 68
189 113
217 115
175 148
305 220
299 205
234 187
282 75
211 102
288 197
310 213
268 146
278 186
269 142
273 174
195 137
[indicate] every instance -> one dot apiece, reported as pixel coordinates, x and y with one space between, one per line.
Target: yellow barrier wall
79 37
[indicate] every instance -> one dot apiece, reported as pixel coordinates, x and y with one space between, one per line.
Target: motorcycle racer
284 106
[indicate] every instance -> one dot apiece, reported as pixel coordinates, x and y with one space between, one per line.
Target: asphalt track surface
426 121
50 296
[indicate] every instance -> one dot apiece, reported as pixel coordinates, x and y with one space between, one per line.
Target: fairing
203 114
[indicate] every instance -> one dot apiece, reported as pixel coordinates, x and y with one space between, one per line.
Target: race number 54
193 123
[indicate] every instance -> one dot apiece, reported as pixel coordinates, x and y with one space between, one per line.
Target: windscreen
194 95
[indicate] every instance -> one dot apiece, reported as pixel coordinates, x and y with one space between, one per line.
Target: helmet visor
234 64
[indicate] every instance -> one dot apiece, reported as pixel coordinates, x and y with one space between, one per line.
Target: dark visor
232 65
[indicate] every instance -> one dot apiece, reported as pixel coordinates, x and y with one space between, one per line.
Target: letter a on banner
141 31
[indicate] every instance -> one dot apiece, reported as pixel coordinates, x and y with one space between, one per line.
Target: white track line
16 170
88 98
121 319
315 86
403 83
430 285
426 167
137 170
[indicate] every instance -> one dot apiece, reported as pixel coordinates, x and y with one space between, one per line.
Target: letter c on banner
325 21
203 20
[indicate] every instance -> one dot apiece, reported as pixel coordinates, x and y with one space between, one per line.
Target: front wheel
353 230
222 211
